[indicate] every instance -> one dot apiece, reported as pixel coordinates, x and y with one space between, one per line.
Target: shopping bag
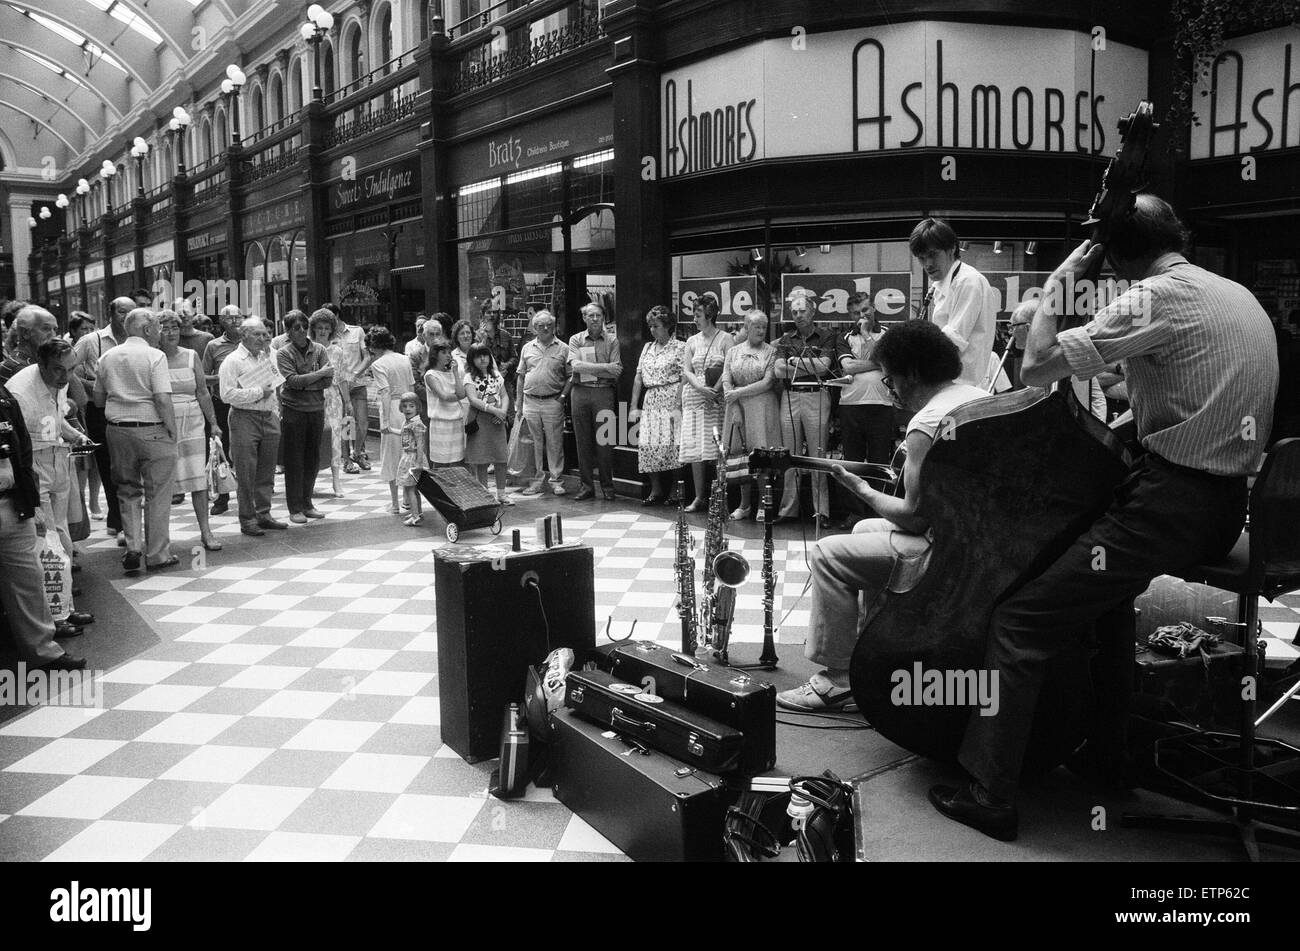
56 569
521 466
221 474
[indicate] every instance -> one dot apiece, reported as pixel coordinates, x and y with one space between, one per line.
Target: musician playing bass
888 554
1201 365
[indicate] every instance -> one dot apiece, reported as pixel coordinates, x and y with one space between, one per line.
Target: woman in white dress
706 353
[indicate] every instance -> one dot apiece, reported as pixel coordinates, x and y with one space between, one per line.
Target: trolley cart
461 500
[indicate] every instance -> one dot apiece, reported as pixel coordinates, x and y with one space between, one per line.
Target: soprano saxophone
684 566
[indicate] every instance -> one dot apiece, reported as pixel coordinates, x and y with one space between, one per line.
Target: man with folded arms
249 378
135 390
306 370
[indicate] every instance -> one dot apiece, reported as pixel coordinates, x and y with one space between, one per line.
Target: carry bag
661 724
56 573
221 474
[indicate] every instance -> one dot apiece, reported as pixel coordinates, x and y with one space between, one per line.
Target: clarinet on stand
767 660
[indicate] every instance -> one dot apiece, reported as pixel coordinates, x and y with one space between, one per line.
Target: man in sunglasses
887 554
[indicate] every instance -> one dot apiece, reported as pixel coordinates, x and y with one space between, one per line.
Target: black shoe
252 530
271 524
609 494
822 522
220 507
178 498
171 562
584 494
131 562
961 803
66 662
81 618
63 630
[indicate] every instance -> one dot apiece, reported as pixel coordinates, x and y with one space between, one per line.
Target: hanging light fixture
824 249
997 247
757 254
45 212
1031 247
801 250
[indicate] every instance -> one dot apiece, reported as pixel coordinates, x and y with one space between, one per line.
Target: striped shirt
1200 360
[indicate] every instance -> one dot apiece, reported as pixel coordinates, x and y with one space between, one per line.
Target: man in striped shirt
1201 365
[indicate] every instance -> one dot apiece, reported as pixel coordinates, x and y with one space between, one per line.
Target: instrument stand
768 659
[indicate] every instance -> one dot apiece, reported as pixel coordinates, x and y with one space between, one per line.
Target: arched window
220 120
386 34
259 110
356 56
275 100
123 185
205 139
295 85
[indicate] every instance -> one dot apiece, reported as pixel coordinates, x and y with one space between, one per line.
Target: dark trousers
867 432
588 403
97 429
300 439
1163 520
222 412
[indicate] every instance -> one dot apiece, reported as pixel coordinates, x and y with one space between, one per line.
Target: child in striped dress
415 456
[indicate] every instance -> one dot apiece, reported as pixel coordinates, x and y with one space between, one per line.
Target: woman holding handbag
193 405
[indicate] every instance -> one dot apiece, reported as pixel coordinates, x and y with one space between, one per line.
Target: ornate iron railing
476 71
348 126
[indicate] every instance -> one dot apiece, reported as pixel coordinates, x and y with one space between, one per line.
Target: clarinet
768 658
684 566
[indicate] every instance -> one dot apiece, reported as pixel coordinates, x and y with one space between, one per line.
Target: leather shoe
962 804
314 513
171 562
272 524
252 530
298 518
131 562
63 630
81 618
66 662
609 494
219 507
584 494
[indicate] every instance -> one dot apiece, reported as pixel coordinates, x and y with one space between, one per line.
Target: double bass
1007 487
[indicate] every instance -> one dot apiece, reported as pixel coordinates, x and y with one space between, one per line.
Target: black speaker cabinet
497 613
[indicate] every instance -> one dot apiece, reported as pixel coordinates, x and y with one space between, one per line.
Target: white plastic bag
56 570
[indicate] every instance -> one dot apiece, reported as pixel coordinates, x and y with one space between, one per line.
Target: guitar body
1023 475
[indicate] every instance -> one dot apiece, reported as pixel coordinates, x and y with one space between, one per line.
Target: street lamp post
230 86
180 121
139 149
83 189
319 21
106 171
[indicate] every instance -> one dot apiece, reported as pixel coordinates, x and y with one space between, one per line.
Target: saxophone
684 566
724 570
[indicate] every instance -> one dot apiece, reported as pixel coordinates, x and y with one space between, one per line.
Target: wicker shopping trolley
461 499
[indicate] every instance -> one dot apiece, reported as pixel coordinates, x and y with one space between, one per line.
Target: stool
1239 773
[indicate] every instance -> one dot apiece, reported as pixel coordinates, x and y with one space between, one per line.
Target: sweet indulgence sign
913 85
377 186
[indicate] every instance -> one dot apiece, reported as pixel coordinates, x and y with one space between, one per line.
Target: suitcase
460 499
649 805
721 693
691 737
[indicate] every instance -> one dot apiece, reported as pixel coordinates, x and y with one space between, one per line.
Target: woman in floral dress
659 376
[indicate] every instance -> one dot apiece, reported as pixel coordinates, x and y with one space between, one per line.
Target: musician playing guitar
888 554
1201 365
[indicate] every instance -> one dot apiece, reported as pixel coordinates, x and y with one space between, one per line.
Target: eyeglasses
889 382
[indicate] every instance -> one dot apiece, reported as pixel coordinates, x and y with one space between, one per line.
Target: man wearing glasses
887 554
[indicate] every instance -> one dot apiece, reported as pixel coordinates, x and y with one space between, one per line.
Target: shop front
206 260
159 263
74 297
96 292
535 218
374 238
122 273
275 252
785 174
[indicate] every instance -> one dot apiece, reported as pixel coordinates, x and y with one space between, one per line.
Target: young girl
446 389
415 457
486 390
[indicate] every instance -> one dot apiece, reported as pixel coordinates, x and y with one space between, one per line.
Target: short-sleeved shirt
196 340
88 350
603 349
352 341
214 354
545 369
43 408
929 418
1200 360
243 376
820 343
130 376
868 387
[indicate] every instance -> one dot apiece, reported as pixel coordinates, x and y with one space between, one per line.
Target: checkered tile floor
290 710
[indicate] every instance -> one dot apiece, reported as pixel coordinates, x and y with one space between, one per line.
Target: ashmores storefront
783 162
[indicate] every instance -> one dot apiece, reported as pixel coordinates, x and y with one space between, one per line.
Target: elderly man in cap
134 388
249 379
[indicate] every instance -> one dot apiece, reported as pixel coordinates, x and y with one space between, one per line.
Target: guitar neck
863 470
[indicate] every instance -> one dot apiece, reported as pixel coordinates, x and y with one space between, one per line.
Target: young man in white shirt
960 301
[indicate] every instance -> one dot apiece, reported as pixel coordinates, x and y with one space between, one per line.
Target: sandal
505 500
351 468
741 514
413 520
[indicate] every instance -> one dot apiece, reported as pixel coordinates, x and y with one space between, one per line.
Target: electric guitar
775 460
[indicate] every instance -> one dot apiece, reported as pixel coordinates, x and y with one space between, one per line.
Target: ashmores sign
941 85
1250 101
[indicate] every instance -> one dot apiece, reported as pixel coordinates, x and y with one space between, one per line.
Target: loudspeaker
498 612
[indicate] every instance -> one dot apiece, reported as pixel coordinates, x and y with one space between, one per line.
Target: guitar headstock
1126 174
771 460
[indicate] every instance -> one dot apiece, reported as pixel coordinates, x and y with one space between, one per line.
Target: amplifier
499 612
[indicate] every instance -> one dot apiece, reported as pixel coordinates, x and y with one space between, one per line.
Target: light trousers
545 421
805 418
144 470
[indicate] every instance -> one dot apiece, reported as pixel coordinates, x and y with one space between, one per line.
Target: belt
548 396
131 424
262 412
